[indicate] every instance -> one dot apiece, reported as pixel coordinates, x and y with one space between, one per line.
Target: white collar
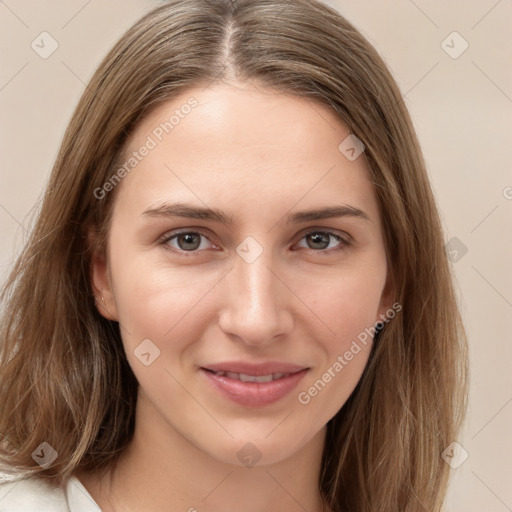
79 500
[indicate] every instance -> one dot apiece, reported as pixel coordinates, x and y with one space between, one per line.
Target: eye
185 241
320 241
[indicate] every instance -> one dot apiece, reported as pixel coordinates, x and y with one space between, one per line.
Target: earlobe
102 307
101 284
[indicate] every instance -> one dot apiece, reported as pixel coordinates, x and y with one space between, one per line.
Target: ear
101 281
386 299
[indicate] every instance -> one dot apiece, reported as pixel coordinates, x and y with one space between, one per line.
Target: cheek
347 302
327 391
348 305
158 301
350 314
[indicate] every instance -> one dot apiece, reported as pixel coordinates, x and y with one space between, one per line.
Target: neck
162 470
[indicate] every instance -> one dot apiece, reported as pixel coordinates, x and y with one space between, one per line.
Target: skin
258 156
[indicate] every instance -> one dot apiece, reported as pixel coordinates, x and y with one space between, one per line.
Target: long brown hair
64 377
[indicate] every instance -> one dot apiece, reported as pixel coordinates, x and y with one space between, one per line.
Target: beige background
461 108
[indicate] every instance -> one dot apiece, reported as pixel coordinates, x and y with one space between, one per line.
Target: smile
253 390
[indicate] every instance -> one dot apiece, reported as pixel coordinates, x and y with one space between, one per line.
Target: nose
256 305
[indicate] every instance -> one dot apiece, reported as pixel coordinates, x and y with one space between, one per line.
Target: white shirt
39 495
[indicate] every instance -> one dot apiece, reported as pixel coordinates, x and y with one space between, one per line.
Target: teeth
252 378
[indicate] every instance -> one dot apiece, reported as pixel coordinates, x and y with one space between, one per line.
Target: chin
258 447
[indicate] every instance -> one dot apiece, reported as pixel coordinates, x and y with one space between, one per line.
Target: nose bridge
256 284
255 302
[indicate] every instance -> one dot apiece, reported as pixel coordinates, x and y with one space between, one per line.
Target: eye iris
189 239
321 238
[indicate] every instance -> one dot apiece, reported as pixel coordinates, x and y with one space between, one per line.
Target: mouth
254 385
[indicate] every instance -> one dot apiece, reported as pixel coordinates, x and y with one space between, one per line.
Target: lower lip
254 394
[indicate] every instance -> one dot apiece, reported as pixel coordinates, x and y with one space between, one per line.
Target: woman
174 338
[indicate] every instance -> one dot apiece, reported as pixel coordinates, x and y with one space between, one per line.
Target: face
238 311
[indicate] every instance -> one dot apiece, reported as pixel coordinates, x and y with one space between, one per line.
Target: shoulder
31 495
34 494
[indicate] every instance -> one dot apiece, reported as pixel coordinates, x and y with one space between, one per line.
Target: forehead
228 143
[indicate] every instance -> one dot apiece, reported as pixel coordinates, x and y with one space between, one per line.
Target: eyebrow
200 213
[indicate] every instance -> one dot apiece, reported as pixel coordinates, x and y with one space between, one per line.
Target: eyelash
344 242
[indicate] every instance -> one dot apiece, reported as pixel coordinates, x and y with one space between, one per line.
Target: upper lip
255 369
